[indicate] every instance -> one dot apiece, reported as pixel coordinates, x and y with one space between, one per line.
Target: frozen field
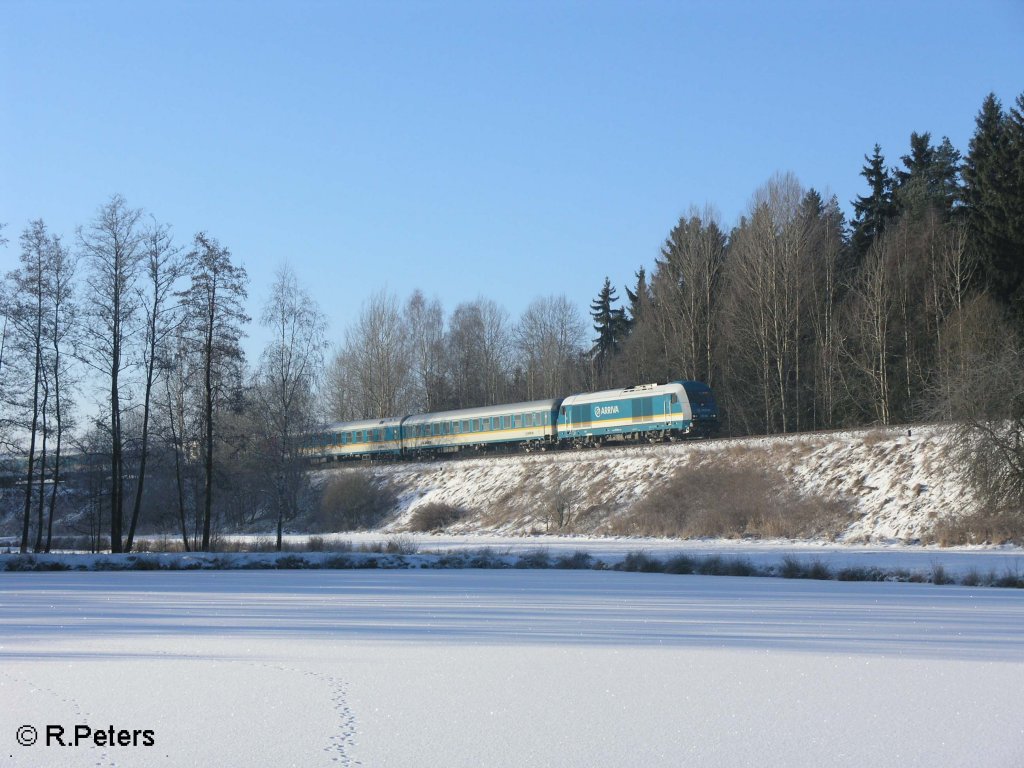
508 668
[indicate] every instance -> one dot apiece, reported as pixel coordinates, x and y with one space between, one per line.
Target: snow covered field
508 668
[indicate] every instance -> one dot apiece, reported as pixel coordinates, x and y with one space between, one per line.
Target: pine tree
639 298
874 211
930 180
611 326
994 197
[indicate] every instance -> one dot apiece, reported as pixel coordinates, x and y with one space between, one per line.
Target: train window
675 399
519 420
465 425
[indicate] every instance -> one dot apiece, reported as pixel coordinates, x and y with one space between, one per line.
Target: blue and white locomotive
648 412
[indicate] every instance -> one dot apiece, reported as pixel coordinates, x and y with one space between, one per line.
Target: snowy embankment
895 483
507 668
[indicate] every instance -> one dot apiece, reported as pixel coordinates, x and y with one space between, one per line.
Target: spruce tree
873 211
994 197
639 298
929 179
611 325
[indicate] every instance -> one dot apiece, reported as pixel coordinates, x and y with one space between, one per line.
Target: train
647 412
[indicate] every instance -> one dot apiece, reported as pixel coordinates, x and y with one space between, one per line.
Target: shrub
818 570
720 566
578 560
434 516
353 500
641 562
940 576
538 558
792 568
291 562
144 564
401 545
680 564
338 562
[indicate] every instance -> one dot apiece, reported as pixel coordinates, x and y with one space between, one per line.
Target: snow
508 667
898 482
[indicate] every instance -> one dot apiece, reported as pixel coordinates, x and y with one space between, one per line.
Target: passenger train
648 412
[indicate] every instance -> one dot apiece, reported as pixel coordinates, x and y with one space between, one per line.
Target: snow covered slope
896 483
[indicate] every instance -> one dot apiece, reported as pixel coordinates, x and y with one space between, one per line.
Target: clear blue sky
476 148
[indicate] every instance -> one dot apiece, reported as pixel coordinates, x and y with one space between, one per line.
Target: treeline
185 432
801 320
798 318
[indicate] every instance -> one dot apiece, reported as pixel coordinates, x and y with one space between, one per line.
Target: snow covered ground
509 668
898 483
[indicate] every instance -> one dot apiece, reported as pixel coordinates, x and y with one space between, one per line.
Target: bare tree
111 246
28 311
162 268
214 315
374 363
825 224
686 285
289 370
425 321
478 354
550 342
870 320
767 284
178 372
62 328
984 399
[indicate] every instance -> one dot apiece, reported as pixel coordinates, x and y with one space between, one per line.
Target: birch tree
215 319
111 246
162 267
289 370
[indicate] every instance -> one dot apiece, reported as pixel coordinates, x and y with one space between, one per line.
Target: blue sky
508 150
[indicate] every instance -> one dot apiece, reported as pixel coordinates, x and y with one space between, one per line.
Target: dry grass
979 528
731 502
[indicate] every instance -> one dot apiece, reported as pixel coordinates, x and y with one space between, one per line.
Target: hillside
871 485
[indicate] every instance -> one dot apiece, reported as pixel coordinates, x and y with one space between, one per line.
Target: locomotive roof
643 390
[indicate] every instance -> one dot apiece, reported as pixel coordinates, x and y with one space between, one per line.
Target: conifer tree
873 211
931 179
611 325
994 196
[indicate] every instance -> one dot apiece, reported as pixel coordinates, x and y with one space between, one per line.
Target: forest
128 403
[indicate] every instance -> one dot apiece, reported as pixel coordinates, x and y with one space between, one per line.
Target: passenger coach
375 437
532 424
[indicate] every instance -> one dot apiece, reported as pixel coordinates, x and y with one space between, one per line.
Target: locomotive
648 412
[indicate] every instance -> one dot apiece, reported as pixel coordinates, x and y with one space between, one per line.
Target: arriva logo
606 410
